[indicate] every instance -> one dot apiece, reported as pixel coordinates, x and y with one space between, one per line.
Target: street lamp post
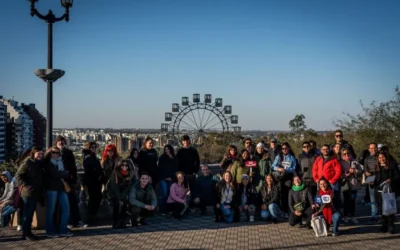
50 75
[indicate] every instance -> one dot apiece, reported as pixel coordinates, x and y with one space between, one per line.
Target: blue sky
126 62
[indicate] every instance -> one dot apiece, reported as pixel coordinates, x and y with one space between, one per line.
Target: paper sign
250 164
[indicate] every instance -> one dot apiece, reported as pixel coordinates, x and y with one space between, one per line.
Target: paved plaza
201 232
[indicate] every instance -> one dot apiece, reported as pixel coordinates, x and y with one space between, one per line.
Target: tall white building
3 127
23 126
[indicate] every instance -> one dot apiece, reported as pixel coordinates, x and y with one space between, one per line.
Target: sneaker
335 234
30 237
251 218
183 210
80 224
85 225
354 220
19 228
66 235
346 220
193 210
52 235
70 226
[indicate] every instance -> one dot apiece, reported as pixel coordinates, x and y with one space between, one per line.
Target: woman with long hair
30 176
133 160
109 161
284 168
167 168
55 192
226 193
386 173
270 199
301 203
229 158
239 167
177 197
147 159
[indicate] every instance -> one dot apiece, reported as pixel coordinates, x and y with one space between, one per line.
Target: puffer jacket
31 175
9 189
272 197
328 168
306 161
119 185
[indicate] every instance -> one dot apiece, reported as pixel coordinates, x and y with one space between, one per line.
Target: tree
298 125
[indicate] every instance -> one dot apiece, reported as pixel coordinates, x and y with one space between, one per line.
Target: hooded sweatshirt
9 188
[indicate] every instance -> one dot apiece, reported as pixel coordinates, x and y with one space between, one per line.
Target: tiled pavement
200 232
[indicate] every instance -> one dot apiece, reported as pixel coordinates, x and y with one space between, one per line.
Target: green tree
297 125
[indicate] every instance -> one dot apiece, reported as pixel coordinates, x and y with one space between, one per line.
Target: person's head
134 153
144 179
92 146
245 179
247 142
169 150
110 152
53 153
306 147
36 153
272 143
337 148
185 140
251 149
245 154
180 177
60 142
383 159
313 144
4 178
286 149
325 150
148 143
204 170
227 177
260 148
297 181
345 154
124 166
323 184
269 180
373 148
385 149
232 150
338 135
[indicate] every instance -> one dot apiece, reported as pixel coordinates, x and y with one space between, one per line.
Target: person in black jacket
300 194
205 189
167 168
55 192
93 180
246 198
225 207
68 159
270 199
305 162
147 160
386 173
343 143
30 176
188 162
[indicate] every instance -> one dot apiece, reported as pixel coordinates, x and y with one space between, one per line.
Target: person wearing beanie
263 165
246 197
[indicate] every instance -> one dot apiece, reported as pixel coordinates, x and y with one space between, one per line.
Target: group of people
269 181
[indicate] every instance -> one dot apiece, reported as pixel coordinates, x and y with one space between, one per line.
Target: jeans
165 186
52 197
5 215
335 222
337 200
271 212
374 207
29 210
227 213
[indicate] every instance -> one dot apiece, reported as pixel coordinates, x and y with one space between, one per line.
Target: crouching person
142 199
176 202
247 198
118 188
205 189
270 198
225 206
301 203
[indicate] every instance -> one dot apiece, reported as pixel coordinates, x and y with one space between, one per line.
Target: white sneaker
354 220
346 220
251 218
19 228
70 226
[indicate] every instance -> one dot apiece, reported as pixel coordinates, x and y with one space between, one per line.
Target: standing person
229 158
133 160
343 143
226 193
109 161
263 164
92 180
246 199
177 197
147 160
386 172
118 189
30 176
167 166
369 170
55 193
306 160
300 194
284 168
270 199
274 149
142 199
328 167
239 167
68 160
351 183
189 163
314 147
337 148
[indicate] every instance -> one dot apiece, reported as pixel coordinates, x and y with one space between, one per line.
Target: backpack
319 226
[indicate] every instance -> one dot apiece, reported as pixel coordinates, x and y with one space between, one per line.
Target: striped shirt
370 163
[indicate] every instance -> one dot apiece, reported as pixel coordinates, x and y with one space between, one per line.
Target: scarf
327 210
124 172
59 163
298 188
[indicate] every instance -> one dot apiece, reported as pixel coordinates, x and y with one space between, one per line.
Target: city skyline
127 62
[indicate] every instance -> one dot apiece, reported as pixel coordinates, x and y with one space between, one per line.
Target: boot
391 219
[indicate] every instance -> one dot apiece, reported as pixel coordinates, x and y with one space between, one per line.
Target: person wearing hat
246 197
274 149
263 164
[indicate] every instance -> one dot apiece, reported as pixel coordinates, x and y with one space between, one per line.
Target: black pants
176 209
137 212
119 211
95 197
191 179
285 197
387 221
74 214
312 186
349 202
294 219
367 197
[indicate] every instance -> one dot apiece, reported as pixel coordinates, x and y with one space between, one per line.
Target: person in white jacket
8 195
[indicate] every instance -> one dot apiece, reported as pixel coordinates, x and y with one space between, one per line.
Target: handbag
300 206
389 206
344 185
67 188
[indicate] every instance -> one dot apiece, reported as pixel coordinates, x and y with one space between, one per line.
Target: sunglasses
124 165
338 136
306 146
285 148
110 150
55 152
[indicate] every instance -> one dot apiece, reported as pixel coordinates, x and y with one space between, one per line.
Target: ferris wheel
196 118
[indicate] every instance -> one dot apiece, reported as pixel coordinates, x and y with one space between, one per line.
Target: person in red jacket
328 167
